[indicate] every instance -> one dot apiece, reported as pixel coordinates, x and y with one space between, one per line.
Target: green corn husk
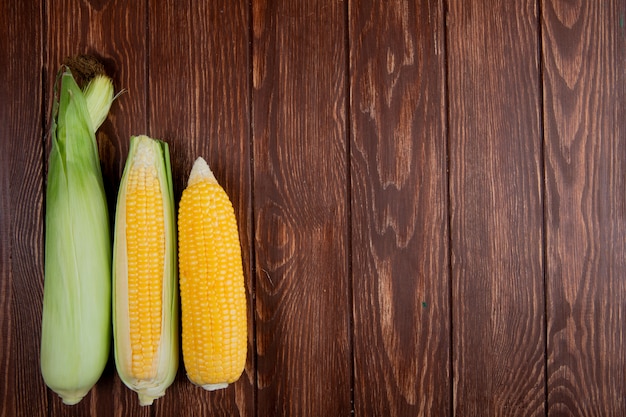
146 154
76 321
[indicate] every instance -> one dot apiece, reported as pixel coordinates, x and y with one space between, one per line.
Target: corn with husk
145 306
76 335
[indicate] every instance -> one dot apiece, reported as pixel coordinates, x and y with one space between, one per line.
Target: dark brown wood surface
21 220
584 85
496 209
300 208
399 204
430 195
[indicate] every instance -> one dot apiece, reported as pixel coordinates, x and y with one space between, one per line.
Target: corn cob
76 319
144 277
213 300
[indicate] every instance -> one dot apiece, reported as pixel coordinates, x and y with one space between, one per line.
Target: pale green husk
99 96
142 149
76 321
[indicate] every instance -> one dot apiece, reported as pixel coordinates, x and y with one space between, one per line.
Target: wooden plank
93 27
584 55
199 100
7 360
300 206
21 216
496 209
399 209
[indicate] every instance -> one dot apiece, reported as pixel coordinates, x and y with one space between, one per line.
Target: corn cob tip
146 399
200 172
72 397
214 387
145 156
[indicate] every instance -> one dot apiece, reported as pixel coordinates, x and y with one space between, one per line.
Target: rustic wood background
431 195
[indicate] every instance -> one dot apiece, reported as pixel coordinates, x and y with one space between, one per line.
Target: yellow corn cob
145 328
213 299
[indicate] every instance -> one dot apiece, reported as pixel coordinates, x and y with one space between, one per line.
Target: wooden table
431 195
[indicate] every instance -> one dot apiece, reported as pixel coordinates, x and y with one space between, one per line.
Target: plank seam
253 276
446 124
147 64
544 240
349 248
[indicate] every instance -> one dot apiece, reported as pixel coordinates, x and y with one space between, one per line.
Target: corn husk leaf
76 334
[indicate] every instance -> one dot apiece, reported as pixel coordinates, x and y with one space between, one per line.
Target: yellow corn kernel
145 240
145 306
213 299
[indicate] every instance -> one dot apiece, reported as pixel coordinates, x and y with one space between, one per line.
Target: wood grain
7 372
584 55
21 215
399 209
114 32
496 209
300 205
199 96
